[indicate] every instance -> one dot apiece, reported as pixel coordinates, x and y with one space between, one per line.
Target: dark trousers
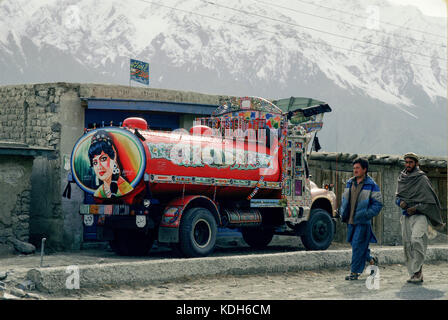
360 236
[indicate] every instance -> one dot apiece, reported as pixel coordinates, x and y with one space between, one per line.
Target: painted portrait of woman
105 162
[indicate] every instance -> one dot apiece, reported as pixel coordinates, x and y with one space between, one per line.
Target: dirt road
323 284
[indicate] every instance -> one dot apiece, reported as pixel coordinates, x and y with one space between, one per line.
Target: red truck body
244 167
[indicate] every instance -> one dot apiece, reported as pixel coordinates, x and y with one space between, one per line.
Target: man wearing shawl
420 205
361 201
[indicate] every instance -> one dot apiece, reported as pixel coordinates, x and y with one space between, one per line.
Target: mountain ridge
75 41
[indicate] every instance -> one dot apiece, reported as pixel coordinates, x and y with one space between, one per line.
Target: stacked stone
432 162
29 114
21 216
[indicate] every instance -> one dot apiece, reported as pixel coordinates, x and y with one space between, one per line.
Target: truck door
299 172
297 189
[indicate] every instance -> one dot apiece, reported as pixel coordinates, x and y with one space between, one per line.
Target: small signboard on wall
139 71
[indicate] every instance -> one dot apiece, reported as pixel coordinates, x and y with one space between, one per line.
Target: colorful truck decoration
243 167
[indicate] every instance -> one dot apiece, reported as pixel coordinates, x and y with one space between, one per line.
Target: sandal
352 276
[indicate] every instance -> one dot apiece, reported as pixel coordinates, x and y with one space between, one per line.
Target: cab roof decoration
234 104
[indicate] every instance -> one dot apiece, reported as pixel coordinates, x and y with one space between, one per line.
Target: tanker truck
245 167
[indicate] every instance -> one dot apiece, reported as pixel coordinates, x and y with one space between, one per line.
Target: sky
435 8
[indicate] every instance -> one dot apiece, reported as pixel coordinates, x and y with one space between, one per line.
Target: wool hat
411 155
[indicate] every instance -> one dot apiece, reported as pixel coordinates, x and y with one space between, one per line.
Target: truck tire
318 230
257 238
132 242
197 233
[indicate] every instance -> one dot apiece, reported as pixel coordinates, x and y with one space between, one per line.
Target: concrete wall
336 168
72 123
186 121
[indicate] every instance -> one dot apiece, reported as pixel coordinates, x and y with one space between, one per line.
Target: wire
276 33
364 17
317 30
347 23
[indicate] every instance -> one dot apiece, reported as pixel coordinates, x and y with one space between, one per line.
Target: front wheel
197 233
318 231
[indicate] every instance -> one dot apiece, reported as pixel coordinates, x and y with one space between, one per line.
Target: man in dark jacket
419 204
361 201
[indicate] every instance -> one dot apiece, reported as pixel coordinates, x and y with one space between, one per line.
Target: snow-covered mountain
387 88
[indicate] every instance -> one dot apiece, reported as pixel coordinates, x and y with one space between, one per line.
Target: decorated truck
245 167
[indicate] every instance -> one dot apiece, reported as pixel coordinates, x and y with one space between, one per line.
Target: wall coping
22 149
426 161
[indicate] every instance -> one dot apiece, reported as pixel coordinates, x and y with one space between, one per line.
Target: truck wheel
257 237
318 231
197 233
132 242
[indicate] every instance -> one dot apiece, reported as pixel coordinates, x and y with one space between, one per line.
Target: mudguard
172 215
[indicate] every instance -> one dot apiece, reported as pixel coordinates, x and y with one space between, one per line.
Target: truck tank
114 164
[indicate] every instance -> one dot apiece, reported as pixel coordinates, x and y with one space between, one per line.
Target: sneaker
352 276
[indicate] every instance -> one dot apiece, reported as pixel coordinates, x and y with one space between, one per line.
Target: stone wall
15 187
30 114
336 168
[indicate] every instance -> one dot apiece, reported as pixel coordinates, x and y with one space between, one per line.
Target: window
298 159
